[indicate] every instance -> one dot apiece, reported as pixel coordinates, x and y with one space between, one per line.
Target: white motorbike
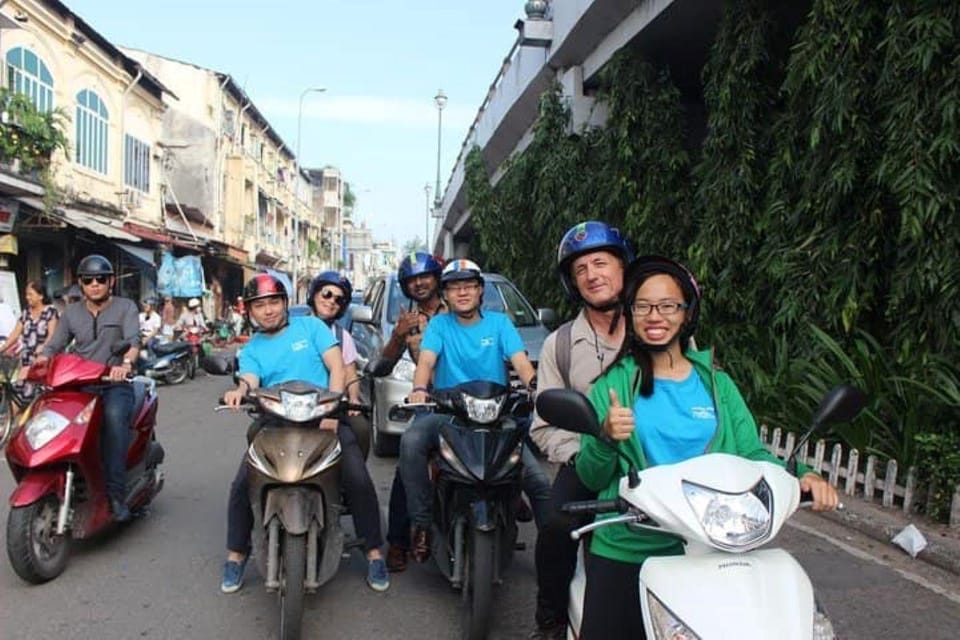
723 507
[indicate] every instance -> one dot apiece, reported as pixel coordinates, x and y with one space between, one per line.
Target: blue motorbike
171 362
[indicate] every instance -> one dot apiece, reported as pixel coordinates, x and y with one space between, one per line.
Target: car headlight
732 520
298 407
403 370
44 427
483 411
667 626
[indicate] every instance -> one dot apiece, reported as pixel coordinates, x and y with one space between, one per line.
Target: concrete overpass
570 45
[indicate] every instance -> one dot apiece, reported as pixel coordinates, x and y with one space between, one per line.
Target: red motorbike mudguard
36 484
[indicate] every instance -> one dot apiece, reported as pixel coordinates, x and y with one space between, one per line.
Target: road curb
943 543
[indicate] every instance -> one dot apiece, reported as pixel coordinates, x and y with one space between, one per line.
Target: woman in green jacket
660 402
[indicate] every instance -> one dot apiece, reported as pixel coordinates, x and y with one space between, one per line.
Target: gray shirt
590 354
97 337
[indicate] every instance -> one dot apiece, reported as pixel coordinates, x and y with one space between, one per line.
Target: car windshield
498 295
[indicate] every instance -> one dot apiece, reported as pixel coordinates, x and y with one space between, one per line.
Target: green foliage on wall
820 210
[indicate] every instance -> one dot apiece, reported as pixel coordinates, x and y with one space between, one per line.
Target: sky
380 61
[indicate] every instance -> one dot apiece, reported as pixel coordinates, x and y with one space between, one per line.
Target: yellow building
112 114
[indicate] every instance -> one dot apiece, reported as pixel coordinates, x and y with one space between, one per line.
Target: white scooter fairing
723 507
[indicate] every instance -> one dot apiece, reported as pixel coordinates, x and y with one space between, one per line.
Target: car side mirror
361 313
548 317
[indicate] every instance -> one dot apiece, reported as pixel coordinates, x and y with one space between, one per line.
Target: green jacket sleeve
596 461
745 432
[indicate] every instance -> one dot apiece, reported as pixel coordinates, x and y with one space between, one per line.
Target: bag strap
562 351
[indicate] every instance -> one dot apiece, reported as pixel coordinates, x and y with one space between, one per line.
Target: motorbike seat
165 348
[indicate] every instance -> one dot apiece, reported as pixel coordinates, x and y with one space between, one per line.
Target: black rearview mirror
568 410
841 404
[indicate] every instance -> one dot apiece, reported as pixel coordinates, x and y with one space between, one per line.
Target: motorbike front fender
484 515
36 484
295 507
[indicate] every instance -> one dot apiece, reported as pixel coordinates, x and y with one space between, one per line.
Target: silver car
373 323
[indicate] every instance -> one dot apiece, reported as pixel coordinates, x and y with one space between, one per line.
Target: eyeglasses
663 308
466 286
326 295
88 280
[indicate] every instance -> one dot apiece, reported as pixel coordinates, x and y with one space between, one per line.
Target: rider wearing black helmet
97 324
591 259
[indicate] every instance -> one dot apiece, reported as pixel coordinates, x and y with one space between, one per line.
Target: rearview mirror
841 404
548 317
568 410
361 313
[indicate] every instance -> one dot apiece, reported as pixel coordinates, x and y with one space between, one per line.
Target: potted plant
29 135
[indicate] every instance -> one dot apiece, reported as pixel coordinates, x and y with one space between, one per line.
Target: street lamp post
441 101
426 240
296 192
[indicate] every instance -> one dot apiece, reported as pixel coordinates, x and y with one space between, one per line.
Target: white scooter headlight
666 626
483 411
732 520
44 427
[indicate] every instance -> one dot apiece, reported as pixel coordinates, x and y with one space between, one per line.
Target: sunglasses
326 295
88 280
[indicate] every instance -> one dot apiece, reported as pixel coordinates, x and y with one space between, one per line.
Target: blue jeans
421 439
117 400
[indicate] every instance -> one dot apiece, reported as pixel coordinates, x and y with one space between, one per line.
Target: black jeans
398 520
357 488
611 608
556 553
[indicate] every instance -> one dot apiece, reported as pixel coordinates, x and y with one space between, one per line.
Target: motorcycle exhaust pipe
64 512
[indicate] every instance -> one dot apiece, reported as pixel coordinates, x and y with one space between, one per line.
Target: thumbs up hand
619 424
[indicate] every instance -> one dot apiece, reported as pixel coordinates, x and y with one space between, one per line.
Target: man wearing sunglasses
97 324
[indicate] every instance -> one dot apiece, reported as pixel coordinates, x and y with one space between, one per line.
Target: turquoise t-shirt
471 352
676 422
296 353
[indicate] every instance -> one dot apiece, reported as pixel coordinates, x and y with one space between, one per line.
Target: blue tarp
180 277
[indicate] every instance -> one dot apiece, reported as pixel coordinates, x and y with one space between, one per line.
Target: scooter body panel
751 596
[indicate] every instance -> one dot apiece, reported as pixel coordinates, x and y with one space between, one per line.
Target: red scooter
55 459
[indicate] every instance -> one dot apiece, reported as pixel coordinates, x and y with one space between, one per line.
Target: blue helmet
416 264
337 280
587 237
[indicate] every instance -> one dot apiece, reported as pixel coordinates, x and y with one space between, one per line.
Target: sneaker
396 559
232 576
377 576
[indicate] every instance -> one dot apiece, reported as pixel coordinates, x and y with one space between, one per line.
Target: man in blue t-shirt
459 346
285 349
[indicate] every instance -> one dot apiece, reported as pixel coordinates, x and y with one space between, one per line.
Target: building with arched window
85 197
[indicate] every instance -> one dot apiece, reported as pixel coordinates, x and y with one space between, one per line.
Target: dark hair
631 345
37 287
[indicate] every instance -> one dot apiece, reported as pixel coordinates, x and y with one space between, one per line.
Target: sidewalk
943 543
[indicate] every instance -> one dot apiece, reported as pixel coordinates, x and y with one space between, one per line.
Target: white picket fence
875 481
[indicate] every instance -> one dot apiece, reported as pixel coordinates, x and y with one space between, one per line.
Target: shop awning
141 255
83 220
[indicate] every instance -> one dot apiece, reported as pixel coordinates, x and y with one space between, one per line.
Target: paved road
159 577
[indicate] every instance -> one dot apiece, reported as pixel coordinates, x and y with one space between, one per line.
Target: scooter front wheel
291 585
478 585
178 372
35 550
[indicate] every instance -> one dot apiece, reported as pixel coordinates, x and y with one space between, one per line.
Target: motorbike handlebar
615 505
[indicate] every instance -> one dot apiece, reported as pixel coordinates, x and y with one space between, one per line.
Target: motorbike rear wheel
478 585
291 585
178 372
35 550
